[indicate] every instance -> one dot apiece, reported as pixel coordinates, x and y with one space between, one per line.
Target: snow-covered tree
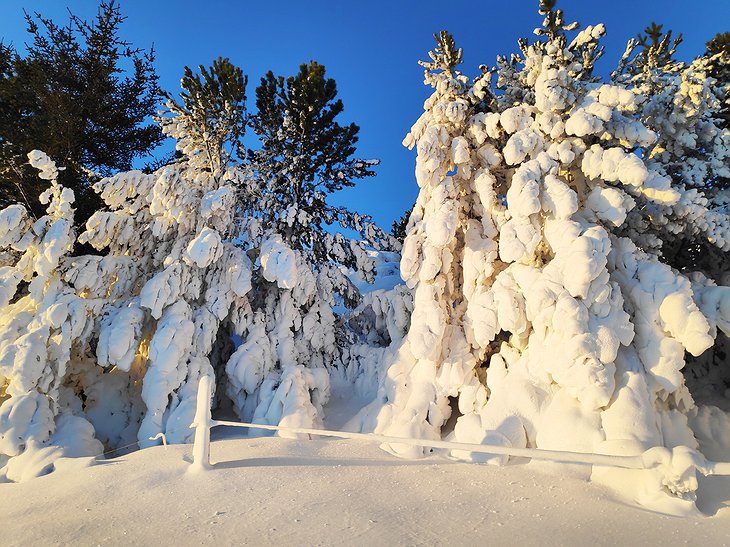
81 93
120 339
210 119
683 107
435 360
717 56
541 317
279 373
39 419
106 350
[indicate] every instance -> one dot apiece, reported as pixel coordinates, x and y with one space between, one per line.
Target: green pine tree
70 97
212 109
305 155
399 229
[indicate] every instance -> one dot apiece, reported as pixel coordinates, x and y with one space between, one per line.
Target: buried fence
677 461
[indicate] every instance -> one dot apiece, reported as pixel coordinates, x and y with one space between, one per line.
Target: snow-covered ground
271 490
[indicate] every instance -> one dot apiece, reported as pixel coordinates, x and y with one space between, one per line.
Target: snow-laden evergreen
124 336
565 259
684 107
538 311
41 319
106 351
280 374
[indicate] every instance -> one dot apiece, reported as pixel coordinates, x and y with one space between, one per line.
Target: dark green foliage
719 44
718 61
658 49
70 98
399 229
212 111
158 163
653 50
306 155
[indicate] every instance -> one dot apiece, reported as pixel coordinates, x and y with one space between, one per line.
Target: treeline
71 96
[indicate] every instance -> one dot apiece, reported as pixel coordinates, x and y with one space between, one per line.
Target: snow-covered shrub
539 311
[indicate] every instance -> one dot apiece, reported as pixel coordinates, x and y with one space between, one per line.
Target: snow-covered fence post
202 425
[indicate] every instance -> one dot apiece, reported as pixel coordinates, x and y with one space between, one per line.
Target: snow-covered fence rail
676 461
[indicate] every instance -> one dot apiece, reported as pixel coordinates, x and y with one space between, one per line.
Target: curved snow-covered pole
202 425
648 460
673 464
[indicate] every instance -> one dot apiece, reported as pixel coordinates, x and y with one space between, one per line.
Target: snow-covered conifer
685 105
40 416
117 341
170 258
682 104
279 373
435 360
536 308
717 58
121 338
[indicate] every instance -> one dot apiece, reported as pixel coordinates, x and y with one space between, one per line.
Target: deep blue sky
371 48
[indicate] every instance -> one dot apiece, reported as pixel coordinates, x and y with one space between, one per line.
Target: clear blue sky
371 48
